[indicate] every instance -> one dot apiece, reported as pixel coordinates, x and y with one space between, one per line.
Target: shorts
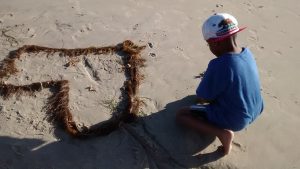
216 119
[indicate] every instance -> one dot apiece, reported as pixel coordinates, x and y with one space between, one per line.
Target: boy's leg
185 118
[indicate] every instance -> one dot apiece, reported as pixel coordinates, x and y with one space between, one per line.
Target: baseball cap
220 26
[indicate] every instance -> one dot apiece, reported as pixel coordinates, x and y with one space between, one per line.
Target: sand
175 54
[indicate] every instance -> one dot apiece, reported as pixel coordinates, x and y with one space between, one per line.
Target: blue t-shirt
232 83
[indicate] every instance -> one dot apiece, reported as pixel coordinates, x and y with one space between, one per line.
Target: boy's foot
226 138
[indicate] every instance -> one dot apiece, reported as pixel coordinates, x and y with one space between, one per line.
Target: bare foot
226 138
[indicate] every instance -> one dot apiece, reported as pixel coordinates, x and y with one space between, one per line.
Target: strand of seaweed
57 108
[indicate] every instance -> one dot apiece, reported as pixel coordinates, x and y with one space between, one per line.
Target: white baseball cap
220 26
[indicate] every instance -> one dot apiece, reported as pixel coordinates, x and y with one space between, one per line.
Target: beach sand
175 54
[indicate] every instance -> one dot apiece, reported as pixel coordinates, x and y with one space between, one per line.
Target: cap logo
225 26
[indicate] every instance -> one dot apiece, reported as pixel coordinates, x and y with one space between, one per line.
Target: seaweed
57 108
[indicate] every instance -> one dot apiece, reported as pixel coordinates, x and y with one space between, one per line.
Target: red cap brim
225 36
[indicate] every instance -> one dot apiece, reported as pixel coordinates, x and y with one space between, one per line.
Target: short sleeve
215 81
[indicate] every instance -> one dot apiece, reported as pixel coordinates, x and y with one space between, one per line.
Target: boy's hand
203 101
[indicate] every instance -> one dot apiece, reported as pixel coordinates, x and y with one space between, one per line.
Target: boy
229 93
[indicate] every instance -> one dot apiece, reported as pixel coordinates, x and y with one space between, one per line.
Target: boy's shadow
117 150
184 145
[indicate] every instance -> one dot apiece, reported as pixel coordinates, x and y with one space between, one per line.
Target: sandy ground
175 53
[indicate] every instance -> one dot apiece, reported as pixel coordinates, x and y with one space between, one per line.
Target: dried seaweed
57 108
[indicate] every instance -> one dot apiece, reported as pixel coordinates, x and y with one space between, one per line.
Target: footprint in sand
152 54
86 28
30 32
150 45
278 52
253 8
9 15
219 5
253 35
62 27
270 95
3 17
254 38
261 47
180 51
250 7
239 146
10 35
13 35
135 27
